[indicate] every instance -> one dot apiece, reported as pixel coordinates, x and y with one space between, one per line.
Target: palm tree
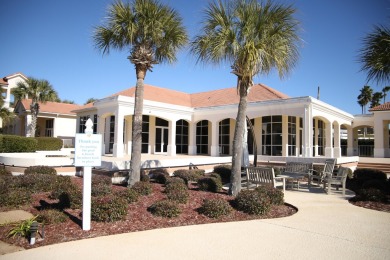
5 114
39 91
153 33
376 97
361 103
375 54
90 100
254 38
384 91
365 97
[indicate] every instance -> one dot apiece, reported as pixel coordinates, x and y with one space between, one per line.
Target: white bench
263 175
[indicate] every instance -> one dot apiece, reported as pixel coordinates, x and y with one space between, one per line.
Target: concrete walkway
325 227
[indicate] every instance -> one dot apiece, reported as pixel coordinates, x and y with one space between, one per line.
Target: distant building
54 119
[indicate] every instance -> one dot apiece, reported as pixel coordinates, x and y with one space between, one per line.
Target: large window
145 134
49 127
272 135
83 121
224 137
320 136
202 135
292 135
112 134
250 139
182 137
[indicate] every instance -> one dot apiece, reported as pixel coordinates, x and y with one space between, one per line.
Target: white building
54 119
203 124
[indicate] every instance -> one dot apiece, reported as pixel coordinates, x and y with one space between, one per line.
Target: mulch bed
138 218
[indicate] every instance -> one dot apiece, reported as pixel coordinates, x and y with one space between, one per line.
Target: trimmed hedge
17 144
165 208
252 202
210 184
224 171
108 209
215 208
40 169
49 143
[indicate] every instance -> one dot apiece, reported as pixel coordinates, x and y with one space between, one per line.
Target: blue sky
52 39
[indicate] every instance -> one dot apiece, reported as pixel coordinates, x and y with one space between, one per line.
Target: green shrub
108 208
372 194
61 184
101 179
215 208
251 202
376 184
159 175
224 171
189 175
4 171
210 184
129 195
72 198
51 216
175 186
165 208
363 175
175 180
100 189
275 196
178 195
17 144
15 197
40 169
48 143
144 177
216 175
143 188
38 182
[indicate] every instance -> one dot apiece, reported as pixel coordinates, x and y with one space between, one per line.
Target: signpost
87 154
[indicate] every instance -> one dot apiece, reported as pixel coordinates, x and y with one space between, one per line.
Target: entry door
161 139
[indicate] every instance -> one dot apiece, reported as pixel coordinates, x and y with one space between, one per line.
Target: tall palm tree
361 104
376 99
5 113
365 97
153 33
384 91
39 91
254 38
375 54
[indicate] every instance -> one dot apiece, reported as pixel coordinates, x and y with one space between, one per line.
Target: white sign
88 150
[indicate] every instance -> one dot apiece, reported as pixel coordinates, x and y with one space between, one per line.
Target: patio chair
319 176
339 179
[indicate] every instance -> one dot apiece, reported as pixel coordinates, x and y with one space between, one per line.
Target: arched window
202 137
182 137
224 137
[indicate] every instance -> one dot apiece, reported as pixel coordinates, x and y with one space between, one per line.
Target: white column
172 138
350 138
307 141
28 126
258 133
336 134
214 149
118 136
328 140
129 129
379 151
192 138
285 135
100 130
7 99
316 133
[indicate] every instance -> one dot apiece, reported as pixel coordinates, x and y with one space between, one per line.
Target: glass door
161 140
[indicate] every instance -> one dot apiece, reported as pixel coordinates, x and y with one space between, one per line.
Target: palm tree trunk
34 116
136 145
235 178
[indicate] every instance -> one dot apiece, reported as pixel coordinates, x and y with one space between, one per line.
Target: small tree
39 91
